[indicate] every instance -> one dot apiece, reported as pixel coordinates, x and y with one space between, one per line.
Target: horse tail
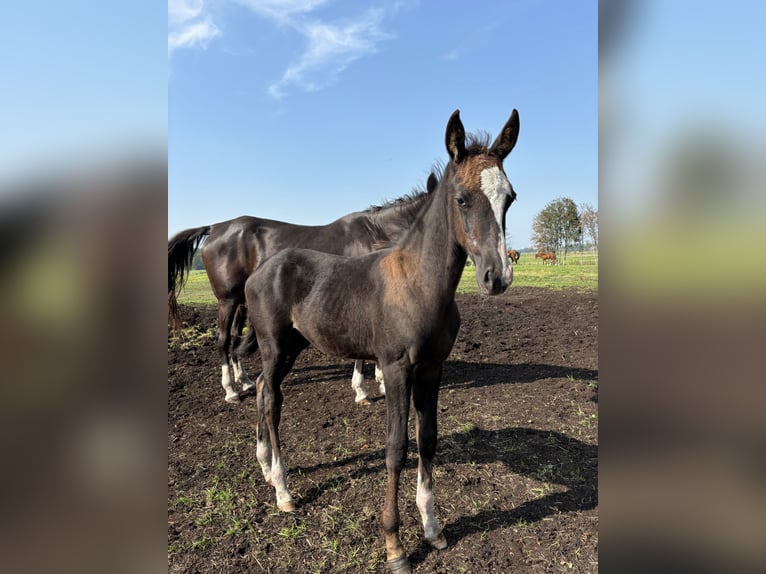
247 345
181 248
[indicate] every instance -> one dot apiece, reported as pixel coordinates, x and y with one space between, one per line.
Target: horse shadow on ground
458 374
547 456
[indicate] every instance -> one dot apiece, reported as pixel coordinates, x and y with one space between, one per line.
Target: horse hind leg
268 451
226 310
263 441
240 375
276 365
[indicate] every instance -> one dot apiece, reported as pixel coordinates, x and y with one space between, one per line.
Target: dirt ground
515 474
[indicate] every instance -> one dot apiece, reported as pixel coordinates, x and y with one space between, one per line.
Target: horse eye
461 201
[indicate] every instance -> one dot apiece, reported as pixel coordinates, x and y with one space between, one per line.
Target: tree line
562 226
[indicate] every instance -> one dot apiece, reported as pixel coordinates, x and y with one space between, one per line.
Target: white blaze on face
497 188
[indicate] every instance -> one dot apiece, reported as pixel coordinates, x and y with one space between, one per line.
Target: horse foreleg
397 414
425 397
357 383
381 382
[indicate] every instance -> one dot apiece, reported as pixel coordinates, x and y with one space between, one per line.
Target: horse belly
345 338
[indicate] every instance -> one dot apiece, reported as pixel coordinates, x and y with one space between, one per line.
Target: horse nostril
487 280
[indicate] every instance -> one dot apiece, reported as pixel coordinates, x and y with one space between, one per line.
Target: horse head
481 196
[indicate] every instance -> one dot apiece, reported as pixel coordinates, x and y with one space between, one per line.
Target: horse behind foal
234 249
400 312
513 255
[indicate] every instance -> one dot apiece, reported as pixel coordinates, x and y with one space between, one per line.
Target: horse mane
477 142
389 222
417 193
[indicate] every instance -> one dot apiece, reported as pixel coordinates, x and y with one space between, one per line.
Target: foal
399 311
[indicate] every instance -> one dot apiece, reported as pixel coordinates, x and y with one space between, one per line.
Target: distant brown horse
513 255
549 257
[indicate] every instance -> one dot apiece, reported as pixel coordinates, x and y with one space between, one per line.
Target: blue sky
305 110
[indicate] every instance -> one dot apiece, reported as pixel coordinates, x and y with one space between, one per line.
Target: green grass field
580 272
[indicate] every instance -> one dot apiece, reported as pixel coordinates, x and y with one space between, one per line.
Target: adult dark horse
233 249
513 255
399 311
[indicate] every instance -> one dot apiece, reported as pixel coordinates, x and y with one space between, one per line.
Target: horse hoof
288 506
233 399
249 385
364 402
399 565
439 542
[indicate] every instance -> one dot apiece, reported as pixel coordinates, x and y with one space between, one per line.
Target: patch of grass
463 427
201 543
579 272
545 472
586 420
192 337
293 531
196 290
186 501
237 525
540 491
521 523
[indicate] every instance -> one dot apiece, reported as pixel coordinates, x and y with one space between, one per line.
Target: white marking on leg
497 188
357 382
425 503
241 376
379 378
231 394
279 480
263 454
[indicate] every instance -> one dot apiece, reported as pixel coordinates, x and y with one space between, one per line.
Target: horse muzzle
492 282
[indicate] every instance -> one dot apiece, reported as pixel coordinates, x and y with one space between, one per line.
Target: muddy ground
515 470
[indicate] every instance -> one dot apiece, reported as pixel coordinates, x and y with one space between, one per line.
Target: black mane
418 192
478 142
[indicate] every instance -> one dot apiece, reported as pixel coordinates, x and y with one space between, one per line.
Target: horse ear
506 140
431 183
455 137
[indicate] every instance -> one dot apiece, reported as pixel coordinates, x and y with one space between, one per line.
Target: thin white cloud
195 34
330 46
331 49
188 25
180 11
282 11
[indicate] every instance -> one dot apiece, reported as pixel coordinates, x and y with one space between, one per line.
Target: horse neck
394 220
432 235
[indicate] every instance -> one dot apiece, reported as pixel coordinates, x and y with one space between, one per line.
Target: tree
197 260
557 227
589 218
